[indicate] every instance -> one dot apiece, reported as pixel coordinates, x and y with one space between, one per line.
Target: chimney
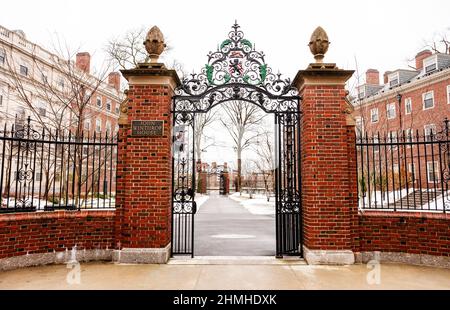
386 77
84 62
420 57
114 80
373 77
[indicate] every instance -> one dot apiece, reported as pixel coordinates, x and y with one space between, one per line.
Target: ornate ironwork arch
236 71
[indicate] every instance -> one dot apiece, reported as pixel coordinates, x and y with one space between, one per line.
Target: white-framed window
87 96
428 100
23 69
448 94
394 79
376 146
42 109
117 108
432 172
98 125
61 83
374 115
1 99
99 101
87 125
44 77
390 111
429 130
393 138
409 135
108 104
2 56
408 106
430 64
412 171
108 127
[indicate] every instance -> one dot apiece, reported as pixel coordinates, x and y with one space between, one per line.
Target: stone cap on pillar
320 73
151 71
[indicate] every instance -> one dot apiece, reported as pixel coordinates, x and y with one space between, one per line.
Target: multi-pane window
87 125
42 109
429 130
408 106
117 108
374 115
409 135
392 138
108 127
1 100
430 64
432 172
108 104
2 57
428 100
44 77
448 94
98 125
61 83
390 110
393 82
23 70
99 101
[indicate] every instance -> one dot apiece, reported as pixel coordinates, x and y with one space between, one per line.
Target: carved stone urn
154 44
318 44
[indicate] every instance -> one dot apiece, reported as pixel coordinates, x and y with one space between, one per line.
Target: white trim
388 106
423 99
372 113
448 94
410 105
435 170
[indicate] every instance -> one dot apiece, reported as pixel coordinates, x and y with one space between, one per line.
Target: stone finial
318 44
154 44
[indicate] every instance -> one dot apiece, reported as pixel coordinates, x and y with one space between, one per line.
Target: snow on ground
257 205
200 199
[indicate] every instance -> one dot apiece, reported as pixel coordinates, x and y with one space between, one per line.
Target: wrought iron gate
237 72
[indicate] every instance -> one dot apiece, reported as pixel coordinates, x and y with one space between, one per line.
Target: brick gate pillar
144 170
328 160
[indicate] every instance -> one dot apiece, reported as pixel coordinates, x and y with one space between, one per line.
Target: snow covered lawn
257 205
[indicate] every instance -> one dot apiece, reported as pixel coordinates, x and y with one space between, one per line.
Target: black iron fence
46 170
405 171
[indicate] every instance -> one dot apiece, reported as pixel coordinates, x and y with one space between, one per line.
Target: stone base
405 258
324 257
142 256
66 257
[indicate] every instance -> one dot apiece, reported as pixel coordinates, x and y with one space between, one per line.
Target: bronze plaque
147 128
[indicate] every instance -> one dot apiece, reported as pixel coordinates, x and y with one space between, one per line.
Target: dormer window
430 64
394 80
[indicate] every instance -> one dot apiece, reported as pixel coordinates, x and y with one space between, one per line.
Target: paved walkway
225 228
214 277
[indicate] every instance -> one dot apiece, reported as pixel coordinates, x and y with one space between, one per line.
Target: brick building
39 72
401 118
407 100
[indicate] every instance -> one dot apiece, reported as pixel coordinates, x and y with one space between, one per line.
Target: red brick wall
417 119
414 233
329 188
144 174
56 231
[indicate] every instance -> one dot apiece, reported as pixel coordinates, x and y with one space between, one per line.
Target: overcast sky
379 34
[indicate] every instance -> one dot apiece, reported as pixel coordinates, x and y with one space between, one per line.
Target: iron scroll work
237 72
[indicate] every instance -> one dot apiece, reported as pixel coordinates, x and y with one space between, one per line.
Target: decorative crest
236 71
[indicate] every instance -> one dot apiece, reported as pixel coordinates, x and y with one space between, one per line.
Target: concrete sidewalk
183 276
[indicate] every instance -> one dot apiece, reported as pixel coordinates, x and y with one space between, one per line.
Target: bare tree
59 100
203 120
243 123
265 160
